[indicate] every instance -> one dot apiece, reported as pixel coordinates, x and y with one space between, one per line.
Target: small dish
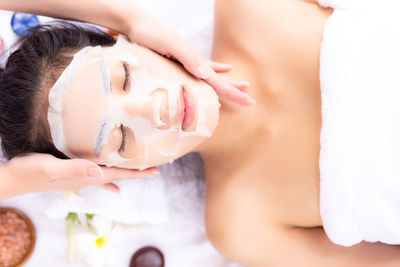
16 232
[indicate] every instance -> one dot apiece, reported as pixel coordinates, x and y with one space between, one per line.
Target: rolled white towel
360 137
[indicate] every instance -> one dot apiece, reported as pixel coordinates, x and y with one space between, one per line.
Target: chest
275 45
269 189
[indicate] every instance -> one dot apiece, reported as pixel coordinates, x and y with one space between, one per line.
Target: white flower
101 247
68 194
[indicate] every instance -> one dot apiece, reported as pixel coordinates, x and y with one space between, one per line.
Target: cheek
132 149
163 151
113 144
212 117
172 148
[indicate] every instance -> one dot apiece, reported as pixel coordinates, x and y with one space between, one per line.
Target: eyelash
127 75
123 143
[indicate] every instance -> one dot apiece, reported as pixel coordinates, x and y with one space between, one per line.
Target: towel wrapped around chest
360 136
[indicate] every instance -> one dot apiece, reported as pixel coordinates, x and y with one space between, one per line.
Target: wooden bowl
21 215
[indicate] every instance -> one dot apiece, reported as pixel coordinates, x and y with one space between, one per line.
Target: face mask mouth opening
189 109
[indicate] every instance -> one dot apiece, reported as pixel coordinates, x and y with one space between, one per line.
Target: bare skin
279 146
262 168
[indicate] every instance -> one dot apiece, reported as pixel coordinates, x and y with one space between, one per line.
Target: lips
188 110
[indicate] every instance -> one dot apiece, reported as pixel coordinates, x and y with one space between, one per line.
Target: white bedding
360 137
174 202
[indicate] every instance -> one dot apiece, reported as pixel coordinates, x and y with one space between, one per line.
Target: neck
234 140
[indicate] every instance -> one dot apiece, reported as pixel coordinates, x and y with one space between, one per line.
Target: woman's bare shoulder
237 214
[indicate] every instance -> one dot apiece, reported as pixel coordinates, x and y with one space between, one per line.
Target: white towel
140 201
360 137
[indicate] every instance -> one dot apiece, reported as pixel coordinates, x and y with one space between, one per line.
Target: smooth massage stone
147 257
21 22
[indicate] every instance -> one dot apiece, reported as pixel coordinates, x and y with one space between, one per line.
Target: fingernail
242 94
95 172
226 65
203 72
115 191
251 100
244 83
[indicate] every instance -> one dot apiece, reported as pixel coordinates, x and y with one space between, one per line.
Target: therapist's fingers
241 85
162 39
87 172
110 187
228 91
218 66
191 59
224 89
115 174
165 41
37 172
81 172
57 169
224 67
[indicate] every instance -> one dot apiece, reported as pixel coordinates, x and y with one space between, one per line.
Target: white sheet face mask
125 106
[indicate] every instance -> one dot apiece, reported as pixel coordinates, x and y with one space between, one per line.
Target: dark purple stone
147 257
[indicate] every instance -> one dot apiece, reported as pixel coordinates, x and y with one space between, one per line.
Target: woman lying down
292 180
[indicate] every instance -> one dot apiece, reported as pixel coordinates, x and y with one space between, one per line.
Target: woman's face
132 108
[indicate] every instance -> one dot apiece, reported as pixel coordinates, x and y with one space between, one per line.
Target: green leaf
89 218
73 217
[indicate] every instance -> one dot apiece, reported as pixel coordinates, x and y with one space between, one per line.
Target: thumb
74 168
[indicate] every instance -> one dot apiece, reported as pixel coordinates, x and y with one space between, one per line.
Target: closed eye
128 76
123 142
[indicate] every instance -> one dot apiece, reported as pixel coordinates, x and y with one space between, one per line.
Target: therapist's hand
132 20
149 32
42 172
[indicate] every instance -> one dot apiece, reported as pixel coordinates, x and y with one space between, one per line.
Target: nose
154 107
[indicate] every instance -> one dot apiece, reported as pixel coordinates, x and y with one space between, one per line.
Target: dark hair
31 70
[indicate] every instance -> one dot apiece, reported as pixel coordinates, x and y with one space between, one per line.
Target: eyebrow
105 74
100 137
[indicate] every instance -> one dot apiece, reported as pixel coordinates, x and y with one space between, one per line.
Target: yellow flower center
101 242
